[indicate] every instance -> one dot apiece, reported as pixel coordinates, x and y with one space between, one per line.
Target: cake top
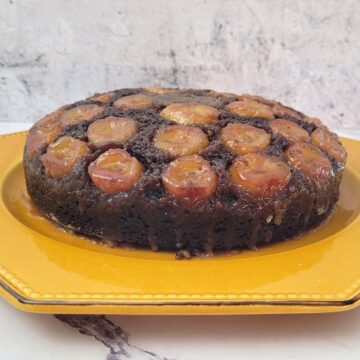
190 139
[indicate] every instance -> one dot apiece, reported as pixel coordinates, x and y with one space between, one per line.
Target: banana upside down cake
184 170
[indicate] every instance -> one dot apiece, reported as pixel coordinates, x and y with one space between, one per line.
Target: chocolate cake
183 169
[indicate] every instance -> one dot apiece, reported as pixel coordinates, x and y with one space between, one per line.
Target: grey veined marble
304 53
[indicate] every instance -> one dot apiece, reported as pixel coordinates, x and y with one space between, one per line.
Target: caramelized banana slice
44 132
80 113
250 108
315 121
242 138
111 129
223 94
190 178
328 143
138 101
261 175
161 90
115 171
40 137
103 98
190 113
180 140
282 111
260 99
50 120
289 130
62 156
308 159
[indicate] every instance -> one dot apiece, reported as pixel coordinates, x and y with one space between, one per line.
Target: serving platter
44 269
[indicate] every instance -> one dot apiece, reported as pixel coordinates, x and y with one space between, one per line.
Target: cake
183 170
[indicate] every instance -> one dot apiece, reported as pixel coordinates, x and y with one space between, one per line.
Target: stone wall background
304 53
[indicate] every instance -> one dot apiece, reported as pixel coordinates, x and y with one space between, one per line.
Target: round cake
183 170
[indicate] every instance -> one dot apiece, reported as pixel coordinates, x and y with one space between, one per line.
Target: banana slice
282 111
103 98
260 99
308 159
111 129
261 175
181 140
289 130
249 108
327 142
80 113
115 171
43 133
243 138
138 101
315 121
161 90
62 156
190 178
190 113
50 120
223 94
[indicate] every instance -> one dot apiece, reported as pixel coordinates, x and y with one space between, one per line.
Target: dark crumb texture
149 216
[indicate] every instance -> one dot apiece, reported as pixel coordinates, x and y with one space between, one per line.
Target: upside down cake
183 169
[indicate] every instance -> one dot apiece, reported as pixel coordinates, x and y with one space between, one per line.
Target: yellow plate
44 269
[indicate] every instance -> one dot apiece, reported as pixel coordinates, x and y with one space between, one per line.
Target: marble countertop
26 336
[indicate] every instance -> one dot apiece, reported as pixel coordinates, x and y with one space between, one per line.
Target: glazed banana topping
190 178
308 159
257 98
80 113
282 111
50 119
290 130
328 143
249 108
115 171
260 175
103 98
62 156
43 133
223 94
138 101
190 113
180 140
161 90
243 138
111 129
315 121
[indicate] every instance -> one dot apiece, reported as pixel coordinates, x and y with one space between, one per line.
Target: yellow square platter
44 269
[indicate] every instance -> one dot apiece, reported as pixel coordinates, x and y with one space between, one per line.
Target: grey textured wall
305 53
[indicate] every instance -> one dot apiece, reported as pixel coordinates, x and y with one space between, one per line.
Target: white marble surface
304 53
26 336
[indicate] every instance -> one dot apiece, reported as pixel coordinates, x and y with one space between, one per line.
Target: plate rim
23 294
28 301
